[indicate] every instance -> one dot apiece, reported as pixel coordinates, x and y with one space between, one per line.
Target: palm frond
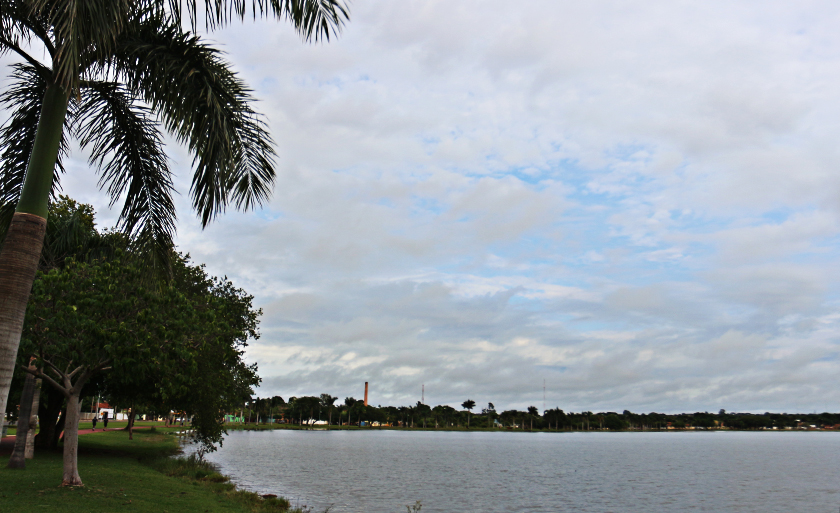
13 20
69 231
127 147
80 28
313 19
23 99
252 177
206 107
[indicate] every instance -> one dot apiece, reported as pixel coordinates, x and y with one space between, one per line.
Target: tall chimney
366 389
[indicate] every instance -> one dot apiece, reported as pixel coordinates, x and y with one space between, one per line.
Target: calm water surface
382 471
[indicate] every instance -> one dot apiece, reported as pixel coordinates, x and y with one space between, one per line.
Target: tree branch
38 373
53 367
77 369
103 365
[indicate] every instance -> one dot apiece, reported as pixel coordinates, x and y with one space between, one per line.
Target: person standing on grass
94 422
104 420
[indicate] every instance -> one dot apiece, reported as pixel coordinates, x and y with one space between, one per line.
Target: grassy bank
128 476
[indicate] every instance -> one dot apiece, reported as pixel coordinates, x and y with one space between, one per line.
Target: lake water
383 471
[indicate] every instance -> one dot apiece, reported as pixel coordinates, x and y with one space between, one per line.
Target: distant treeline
325 408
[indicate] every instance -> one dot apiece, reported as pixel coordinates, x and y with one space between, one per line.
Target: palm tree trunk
71 443
18 263
25 238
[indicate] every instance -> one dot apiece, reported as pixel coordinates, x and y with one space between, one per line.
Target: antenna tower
423 393
543 396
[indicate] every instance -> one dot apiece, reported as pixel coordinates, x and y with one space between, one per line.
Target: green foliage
104 315
614 422
168 345
191 467
224 322
305 407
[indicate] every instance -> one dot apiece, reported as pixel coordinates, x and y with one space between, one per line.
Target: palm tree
115 73
468 405
327 401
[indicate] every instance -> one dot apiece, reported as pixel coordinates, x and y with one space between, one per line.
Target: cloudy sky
637 204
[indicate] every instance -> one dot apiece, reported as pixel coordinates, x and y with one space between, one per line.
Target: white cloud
644 193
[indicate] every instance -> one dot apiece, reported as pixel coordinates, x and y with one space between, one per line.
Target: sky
612 205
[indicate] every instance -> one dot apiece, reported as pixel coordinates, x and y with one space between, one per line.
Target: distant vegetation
310 409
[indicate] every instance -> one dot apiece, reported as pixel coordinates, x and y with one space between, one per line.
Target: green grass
122 475
111 424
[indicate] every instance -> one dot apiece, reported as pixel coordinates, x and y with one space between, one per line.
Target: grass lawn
121 475
86 424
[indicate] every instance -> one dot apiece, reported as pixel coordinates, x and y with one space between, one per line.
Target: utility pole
543 396
423 393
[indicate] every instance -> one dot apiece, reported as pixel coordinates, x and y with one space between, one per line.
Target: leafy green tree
468 405
349 402
490 413
70 233
358 411
533 412
114 73
304 408
614 423
79 322
392 414
510 417
276 404
449 413
423 412
225 321
555 416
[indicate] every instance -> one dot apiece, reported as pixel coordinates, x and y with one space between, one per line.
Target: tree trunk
18 263
33 423
17 459
49 409
71 443
130 425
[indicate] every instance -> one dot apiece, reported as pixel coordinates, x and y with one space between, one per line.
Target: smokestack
366 389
